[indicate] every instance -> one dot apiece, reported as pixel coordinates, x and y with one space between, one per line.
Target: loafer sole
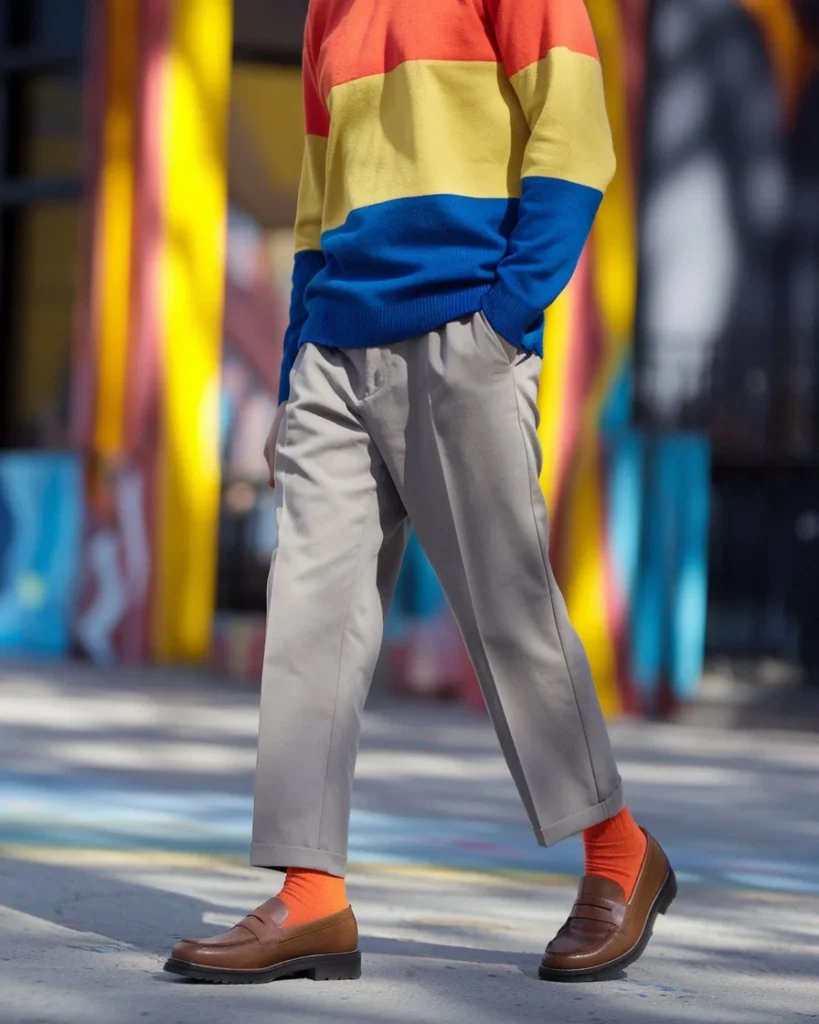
328 967
600 972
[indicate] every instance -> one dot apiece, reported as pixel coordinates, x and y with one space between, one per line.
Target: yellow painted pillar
191 270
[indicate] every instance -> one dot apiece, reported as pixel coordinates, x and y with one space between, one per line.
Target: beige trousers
439 431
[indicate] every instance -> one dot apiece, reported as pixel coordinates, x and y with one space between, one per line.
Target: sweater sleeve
309 259
550 56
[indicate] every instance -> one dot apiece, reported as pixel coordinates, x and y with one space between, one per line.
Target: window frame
16 192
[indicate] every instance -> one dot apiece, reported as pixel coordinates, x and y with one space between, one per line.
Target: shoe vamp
581 937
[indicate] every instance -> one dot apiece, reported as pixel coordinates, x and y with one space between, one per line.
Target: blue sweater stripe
402 268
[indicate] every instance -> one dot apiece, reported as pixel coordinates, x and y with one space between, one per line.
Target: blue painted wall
41 515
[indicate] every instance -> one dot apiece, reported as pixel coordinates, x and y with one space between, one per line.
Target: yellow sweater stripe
429 137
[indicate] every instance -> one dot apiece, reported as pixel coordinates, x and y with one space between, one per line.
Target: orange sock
309 895
615 849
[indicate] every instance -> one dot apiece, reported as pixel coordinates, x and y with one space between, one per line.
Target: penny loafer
262 948
604 932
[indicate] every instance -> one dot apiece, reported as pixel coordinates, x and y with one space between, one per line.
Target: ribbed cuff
507 315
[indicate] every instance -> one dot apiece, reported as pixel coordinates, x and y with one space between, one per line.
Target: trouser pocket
509 351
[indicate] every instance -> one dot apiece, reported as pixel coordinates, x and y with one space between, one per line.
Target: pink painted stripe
144 355
143 398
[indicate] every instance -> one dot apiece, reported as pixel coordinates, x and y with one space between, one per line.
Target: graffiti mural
112 620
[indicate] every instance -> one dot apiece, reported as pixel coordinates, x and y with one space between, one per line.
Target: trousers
439 431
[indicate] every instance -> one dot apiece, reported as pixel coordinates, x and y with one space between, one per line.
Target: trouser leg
459 434
341 537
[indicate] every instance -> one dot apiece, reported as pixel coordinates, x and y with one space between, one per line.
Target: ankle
310 895
615 849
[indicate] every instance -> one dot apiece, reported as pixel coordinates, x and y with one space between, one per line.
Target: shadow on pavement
433 975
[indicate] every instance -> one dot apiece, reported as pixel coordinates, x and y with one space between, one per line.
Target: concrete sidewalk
124 820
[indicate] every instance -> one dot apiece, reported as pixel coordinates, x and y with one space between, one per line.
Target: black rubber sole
665 897
330 967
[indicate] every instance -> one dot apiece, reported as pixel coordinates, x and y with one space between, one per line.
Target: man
456 155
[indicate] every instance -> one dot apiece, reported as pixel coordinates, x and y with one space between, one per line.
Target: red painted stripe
143 363
144 353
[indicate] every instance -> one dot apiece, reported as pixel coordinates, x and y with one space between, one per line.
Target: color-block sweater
456 154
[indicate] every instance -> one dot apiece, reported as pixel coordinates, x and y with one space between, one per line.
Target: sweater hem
337 325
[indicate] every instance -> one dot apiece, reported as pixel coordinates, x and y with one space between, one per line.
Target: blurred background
149 161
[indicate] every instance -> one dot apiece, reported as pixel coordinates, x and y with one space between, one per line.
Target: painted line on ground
85 815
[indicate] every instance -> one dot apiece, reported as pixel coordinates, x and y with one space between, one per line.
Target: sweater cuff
288 361
507 315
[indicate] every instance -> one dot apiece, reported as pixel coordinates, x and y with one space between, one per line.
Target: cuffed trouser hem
583 819
280 858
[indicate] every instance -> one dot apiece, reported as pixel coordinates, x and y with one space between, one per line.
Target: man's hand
272 440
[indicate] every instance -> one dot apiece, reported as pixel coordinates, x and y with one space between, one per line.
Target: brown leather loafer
604 933
261 948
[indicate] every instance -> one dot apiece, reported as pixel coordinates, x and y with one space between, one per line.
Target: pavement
125 800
